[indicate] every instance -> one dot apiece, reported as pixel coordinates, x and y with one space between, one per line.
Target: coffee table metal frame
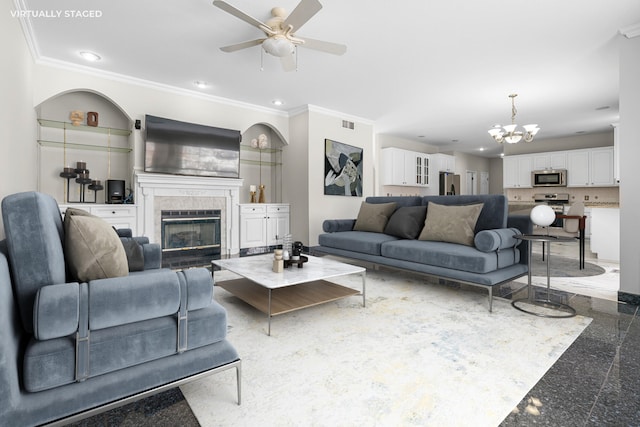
546 303
293 289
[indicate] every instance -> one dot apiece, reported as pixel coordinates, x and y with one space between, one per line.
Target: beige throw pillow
373 216
92 248
454 224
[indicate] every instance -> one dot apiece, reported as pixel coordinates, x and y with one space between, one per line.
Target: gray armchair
72 347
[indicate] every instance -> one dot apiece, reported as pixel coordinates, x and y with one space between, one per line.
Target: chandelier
509 133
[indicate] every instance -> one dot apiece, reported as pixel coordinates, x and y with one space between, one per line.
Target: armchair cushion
92 248
121 300
56 311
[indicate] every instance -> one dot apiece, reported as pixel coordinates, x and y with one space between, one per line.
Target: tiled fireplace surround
157 192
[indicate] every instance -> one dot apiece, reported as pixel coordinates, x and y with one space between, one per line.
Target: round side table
564 310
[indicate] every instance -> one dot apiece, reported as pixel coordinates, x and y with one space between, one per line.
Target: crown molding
630 31
50 62
315 109
27 29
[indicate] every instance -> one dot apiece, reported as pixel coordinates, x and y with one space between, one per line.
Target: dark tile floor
595 382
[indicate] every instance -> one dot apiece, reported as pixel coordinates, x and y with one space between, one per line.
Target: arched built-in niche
262 165
105 148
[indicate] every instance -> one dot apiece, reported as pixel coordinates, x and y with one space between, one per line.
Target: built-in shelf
84 128
62 144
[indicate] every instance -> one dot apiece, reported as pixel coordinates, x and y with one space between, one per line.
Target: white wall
468 162
303 176
17 115
574 142
629 145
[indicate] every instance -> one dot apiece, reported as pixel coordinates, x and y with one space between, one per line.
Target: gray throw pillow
92 248
406 222
134 252
374 216
453 224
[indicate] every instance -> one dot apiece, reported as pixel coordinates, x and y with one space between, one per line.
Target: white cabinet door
517 171
605 233
601 167
578 168
590 168
551 160
423 168
277 223
253 226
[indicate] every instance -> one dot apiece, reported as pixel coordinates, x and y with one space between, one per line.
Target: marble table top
258 269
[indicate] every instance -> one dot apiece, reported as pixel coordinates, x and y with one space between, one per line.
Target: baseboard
632 299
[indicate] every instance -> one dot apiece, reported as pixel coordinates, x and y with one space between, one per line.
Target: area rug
560 266
417 354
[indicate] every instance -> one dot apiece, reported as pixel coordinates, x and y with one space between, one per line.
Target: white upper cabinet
590 167
403 167
517 171
553 160
444 162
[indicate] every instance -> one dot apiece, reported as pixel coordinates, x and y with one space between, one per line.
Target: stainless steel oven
549 178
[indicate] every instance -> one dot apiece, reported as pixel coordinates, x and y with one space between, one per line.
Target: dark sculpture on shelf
81 175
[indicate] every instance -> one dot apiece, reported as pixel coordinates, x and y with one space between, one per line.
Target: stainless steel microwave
549 178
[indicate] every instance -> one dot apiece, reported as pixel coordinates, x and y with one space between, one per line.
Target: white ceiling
435 71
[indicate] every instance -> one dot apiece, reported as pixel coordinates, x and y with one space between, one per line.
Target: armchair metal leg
239 380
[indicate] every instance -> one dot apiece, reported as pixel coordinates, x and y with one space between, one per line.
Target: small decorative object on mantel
261 196
260 143
77 117
92 118
252 191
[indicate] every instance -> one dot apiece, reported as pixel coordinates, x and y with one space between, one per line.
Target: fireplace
190 238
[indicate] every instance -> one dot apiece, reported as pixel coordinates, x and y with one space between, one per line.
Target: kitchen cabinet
444 163
118 216
406 168
517 171
552 160
590 167
263 224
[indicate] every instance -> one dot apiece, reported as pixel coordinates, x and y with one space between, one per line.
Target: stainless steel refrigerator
449 184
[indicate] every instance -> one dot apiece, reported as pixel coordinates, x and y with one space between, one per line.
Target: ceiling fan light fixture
278 46
508 133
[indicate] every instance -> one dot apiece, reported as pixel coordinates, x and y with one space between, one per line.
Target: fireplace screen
190 238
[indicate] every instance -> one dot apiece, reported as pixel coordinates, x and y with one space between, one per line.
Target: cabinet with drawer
263 224
119 216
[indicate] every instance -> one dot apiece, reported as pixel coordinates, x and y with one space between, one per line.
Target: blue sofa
70 348
496 257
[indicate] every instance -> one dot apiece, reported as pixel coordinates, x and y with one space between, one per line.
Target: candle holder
261 196
81 176
253 196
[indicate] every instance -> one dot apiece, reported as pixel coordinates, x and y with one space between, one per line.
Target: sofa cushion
493 214
453 224
357 241
406 222
134 252
373 216
92 249
449 255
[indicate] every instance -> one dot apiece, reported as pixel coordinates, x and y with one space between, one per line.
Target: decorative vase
261 196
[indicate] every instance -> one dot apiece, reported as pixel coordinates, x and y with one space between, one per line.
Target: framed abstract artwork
342 169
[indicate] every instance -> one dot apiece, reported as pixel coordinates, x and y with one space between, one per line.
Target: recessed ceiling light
455 140
200 84
277 102
421 136
90 56
481 148
581 132
604 107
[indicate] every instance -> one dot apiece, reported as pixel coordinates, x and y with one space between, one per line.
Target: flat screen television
181 148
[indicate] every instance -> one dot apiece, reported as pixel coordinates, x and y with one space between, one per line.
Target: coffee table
293 289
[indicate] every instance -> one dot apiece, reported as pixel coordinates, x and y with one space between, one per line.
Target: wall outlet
586 198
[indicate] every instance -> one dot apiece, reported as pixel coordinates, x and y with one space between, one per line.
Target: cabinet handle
113 212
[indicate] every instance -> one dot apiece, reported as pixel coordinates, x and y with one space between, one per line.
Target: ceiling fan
280 31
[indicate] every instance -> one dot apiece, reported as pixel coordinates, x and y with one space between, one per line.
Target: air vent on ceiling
348 125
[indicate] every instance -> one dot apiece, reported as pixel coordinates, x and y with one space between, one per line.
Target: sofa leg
490 300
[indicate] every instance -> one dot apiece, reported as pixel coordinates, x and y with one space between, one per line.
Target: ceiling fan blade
302 13
239 14
328 47
243 45
288 63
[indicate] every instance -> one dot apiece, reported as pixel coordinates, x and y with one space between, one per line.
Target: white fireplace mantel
150 186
